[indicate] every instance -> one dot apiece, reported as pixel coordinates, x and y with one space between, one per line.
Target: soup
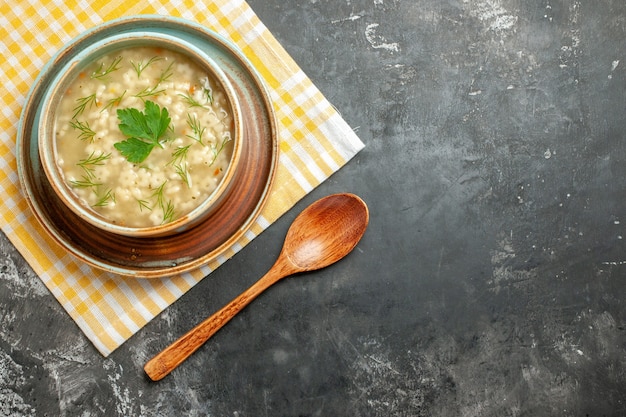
143 136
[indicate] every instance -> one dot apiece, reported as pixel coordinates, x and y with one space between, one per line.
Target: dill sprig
158 194
179 155
166 74
84 103
192 101
88 179
150 92
86 133
102 72
179 162
105 199
85 182
94 159
88 164
217 150
143 204
167 207
114 102
197 129
183 173
208 94
156 89
168 212
140 66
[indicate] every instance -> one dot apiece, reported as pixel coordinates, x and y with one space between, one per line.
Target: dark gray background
491 279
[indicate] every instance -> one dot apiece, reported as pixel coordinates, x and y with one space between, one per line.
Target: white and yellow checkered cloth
314 142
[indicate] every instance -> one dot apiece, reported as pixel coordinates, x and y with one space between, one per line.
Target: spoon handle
168 359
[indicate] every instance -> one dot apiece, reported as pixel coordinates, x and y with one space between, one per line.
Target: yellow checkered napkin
314 142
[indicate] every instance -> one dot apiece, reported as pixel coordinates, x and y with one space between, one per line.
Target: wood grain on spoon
322 234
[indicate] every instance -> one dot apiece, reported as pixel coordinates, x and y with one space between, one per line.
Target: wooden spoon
322 234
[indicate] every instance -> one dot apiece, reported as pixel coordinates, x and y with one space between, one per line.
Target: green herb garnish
166 74
183 173
143 204
86 132
179 155
168 212
208 94
88 164
179 162
197 129
144 130
85 182
83 103
140 66
104 200
102 72
113 102
150 92
217 150
167 207
155 90
191 100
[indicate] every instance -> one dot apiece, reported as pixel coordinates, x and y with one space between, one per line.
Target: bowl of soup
141 134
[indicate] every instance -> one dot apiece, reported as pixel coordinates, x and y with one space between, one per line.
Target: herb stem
86 133
140 66
104 200
83 104
217 150
114 102
85 182
102 72
167 207
193 102
197 129
88 164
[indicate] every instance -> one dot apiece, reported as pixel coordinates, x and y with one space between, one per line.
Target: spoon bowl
321 235
325 232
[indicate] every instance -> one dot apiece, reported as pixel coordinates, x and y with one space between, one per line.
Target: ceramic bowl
230 220
110 45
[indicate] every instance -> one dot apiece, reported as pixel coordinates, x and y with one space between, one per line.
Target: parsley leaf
134 150
144 130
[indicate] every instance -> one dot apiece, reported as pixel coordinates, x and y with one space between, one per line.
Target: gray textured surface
491 280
